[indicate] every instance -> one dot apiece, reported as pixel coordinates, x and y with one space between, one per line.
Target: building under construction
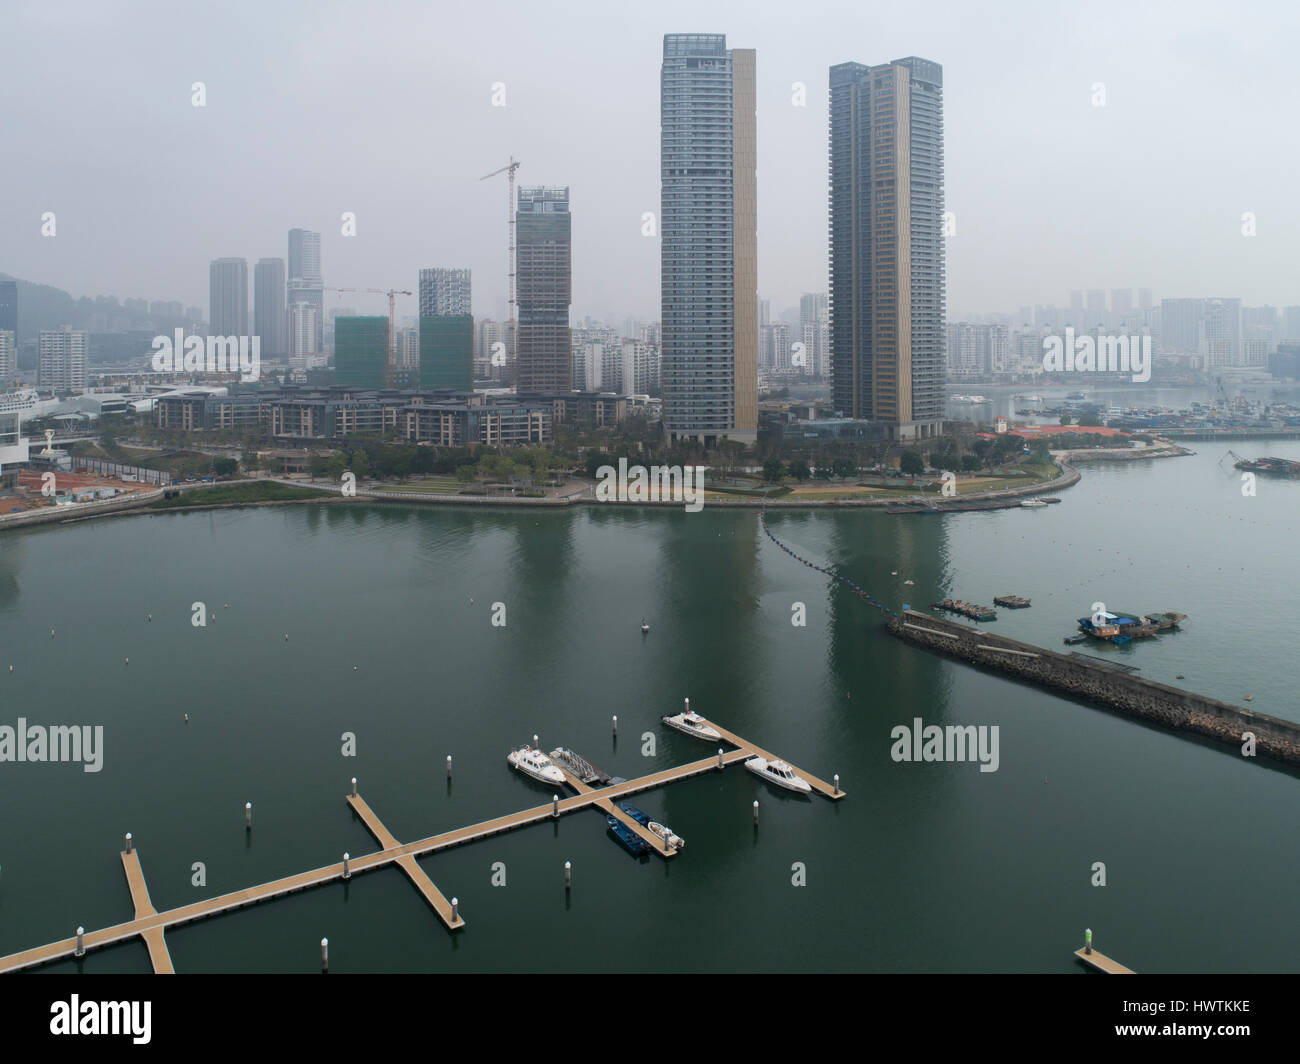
544 286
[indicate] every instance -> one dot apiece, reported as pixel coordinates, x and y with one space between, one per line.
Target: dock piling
248 816
616 724
837 782
568 875
455 905
755 812
128 842
80 951
354 786
347 872
449 766
324 954
555 806
1087 940
719 757
536 744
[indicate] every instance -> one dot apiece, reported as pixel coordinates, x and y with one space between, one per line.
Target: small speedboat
1033 504
654 827
644 627
692 724
536 764
780 773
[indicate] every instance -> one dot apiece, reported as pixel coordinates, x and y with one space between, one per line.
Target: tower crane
509 169
392 332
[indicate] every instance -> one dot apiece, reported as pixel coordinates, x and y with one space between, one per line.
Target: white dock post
354 786
248 816
347 872
449 766
837 783
616 724
666 839
568 875
455 904
555 805
536 746
324 954
80 951
128 842
1087 941
719 757
755 812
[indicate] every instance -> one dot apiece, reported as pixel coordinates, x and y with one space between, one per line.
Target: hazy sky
385 110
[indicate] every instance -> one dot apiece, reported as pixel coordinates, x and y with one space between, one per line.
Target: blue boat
626 837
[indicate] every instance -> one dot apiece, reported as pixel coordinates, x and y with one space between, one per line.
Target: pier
1100 962
149 924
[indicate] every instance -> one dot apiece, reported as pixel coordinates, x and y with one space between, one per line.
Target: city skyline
1034 215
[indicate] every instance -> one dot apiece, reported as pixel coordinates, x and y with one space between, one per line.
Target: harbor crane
392 331
509 169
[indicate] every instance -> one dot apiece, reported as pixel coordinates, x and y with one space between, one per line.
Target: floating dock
149 924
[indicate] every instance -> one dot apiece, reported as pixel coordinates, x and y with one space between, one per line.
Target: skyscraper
814 332
228 297
446 330
8 358
886 244
544 287
9 307
63 355
306 286
270 314
709 226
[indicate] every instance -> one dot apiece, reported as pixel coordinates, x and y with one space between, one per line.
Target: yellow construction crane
510 169
392 331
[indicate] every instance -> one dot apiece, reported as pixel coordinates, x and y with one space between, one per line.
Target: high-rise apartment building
8 359
1180 325
228 297
1222 333
709 229
306 285
63 356
270 311
887 246
9 307
544 290
446 330
815 332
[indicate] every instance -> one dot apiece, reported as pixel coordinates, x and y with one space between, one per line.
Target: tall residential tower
228 297
544 290
709 226
887 245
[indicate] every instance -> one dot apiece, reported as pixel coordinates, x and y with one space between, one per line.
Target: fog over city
387 111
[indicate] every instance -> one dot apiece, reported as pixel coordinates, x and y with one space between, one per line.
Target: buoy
126 661
187 718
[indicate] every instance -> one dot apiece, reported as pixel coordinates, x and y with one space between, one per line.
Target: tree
799 470
773 470
465 473
317 465
911 462
360 463
1091 420
1065 419
970 463
843 468
224 467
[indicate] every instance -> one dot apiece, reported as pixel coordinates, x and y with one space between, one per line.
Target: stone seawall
1123 693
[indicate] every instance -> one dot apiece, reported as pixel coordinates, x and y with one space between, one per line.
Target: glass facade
447 352
361 352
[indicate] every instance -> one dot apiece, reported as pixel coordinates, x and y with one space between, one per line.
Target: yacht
1033 504
536 764
780 773
692 724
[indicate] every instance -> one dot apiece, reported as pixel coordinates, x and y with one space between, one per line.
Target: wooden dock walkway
1102 963
150 924
406 863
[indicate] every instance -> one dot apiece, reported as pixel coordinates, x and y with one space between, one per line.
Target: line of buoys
828 570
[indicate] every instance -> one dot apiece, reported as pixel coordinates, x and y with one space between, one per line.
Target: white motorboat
692 724
780 773
536 764
675 841
1033 504
644 627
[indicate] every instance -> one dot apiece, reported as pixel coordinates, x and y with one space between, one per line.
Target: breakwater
1103 685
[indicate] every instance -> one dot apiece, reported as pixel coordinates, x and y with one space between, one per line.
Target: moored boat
780 773
534 763
691 724
662 830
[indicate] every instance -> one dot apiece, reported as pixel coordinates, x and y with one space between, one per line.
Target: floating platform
972 610
577 765
1011 602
